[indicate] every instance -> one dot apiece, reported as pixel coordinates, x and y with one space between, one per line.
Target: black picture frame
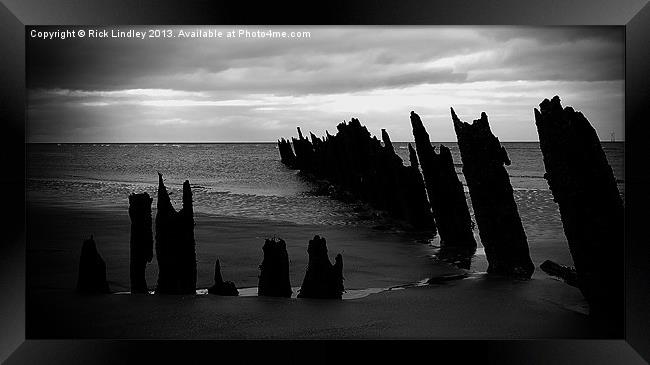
634 15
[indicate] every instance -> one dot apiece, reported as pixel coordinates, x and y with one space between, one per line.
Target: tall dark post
423 217
141 244
497 217
188 244
164 241
322 279
445 191
92 270
274 271
584 187
453 204
221 287
175 245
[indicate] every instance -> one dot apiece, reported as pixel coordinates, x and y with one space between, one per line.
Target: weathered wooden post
584 187
445 191
322 279
141 243
221 287
274 278
92 270
499 224
175 244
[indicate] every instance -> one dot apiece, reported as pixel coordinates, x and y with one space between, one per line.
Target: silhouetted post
188 244
304 152
423 217
583 185
141 244
286 153
453 199
175 245
499 224
165 254
274 271
92 270
445 191
221 287
322 279
388 182
388 145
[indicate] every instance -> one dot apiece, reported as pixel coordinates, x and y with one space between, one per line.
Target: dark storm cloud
105 64
87 89
130 63
558 34
560 54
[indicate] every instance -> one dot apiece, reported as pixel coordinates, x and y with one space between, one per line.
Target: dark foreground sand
475 307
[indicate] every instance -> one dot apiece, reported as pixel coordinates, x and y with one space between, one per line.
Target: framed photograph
211 180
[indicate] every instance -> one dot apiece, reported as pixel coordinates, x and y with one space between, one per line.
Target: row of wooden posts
176 256
428 195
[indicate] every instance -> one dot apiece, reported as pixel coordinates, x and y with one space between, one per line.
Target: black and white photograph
324 182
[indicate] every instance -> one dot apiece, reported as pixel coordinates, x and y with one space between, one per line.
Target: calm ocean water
247 180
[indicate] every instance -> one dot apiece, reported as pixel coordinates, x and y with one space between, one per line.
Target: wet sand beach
477 306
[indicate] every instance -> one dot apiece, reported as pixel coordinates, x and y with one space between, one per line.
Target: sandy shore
475 307
372 258
479 308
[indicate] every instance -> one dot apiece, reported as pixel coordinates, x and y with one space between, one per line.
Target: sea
247 180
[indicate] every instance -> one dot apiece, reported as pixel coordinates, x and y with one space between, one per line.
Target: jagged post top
422 140
90 242
387 142
139 203
417 125
161 186
187 194
479 129
141 197
478 124
274 244
549 107
217 272
88 247
317 246
164 202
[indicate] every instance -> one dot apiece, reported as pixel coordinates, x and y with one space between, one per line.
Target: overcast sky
252 89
